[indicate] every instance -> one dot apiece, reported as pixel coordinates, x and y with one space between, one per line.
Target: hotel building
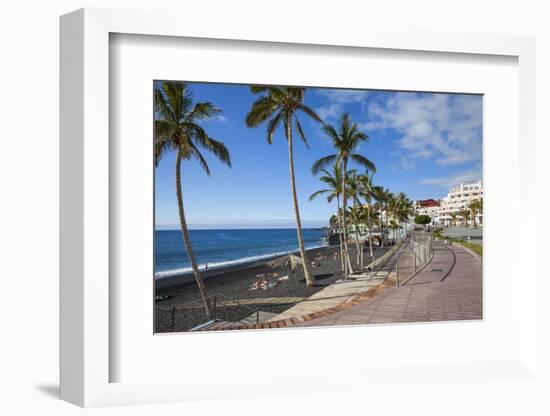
430 207
458 199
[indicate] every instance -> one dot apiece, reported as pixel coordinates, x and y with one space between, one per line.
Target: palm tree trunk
386 219
187 240
370 233
398 230
340 233
345 203
310 280
380 227
356 225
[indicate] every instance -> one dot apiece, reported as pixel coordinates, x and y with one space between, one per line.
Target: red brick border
289 322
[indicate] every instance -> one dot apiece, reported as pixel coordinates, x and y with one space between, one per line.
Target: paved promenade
343 290
448 288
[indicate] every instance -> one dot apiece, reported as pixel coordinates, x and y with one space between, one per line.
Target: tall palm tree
345 141
333 181
278 105
355 189
177 129
390 200
401 208
393 210
405 208
394 226
367 191
382 196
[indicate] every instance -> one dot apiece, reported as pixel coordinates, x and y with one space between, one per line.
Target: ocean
221 248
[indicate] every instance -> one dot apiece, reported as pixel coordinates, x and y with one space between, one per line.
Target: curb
473 253
289 322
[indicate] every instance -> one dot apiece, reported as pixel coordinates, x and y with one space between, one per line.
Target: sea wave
229 263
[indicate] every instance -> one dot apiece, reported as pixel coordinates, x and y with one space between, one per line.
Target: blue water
219 248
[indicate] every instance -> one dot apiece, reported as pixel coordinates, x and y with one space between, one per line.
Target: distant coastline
223 266
184 277
223 249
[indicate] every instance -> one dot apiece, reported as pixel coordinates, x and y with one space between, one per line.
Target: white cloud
343 96
337 99
329 112
455 179
445 127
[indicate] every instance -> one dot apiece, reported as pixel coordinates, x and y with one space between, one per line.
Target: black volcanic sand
235 283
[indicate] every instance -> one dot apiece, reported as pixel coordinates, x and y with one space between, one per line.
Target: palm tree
401 208
368 193
345 141
453 216
393 225
465 214
177 129
390 200
355 190
382 196
405 208
475 207
393 207
279 105
333 180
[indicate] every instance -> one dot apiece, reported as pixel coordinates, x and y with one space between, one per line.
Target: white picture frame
86 355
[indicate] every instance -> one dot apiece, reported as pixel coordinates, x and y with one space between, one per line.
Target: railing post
173 316
397 271
215 308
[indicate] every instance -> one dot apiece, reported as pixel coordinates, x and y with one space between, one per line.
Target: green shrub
422 219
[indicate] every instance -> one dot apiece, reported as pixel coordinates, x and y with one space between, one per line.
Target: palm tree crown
279 105
333 181
177 126
345 140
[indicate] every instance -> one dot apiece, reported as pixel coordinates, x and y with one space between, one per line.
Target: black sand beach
233 285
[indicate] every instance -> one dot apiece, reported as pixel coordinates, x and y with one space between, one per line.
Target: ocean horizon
225 247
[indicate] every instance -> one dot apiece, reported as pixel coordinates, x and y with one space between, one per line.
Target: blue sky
421 143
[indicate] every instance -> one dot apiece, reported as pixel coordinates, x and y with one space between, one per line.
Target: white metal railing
420 250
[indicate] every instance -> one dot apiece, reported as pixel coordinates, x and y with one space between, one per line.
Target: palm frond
161 148
317 193
210 144
261 110
322 162
331 132
162 109
301 132
197 155
163 130
309 112
272 126
363 161
204 111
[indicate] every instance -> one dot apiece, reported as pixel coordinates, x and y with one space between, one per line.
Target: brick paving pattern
426 297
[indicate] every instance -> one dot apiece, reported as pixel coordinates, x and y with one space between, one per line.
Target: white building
457 200
429 207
